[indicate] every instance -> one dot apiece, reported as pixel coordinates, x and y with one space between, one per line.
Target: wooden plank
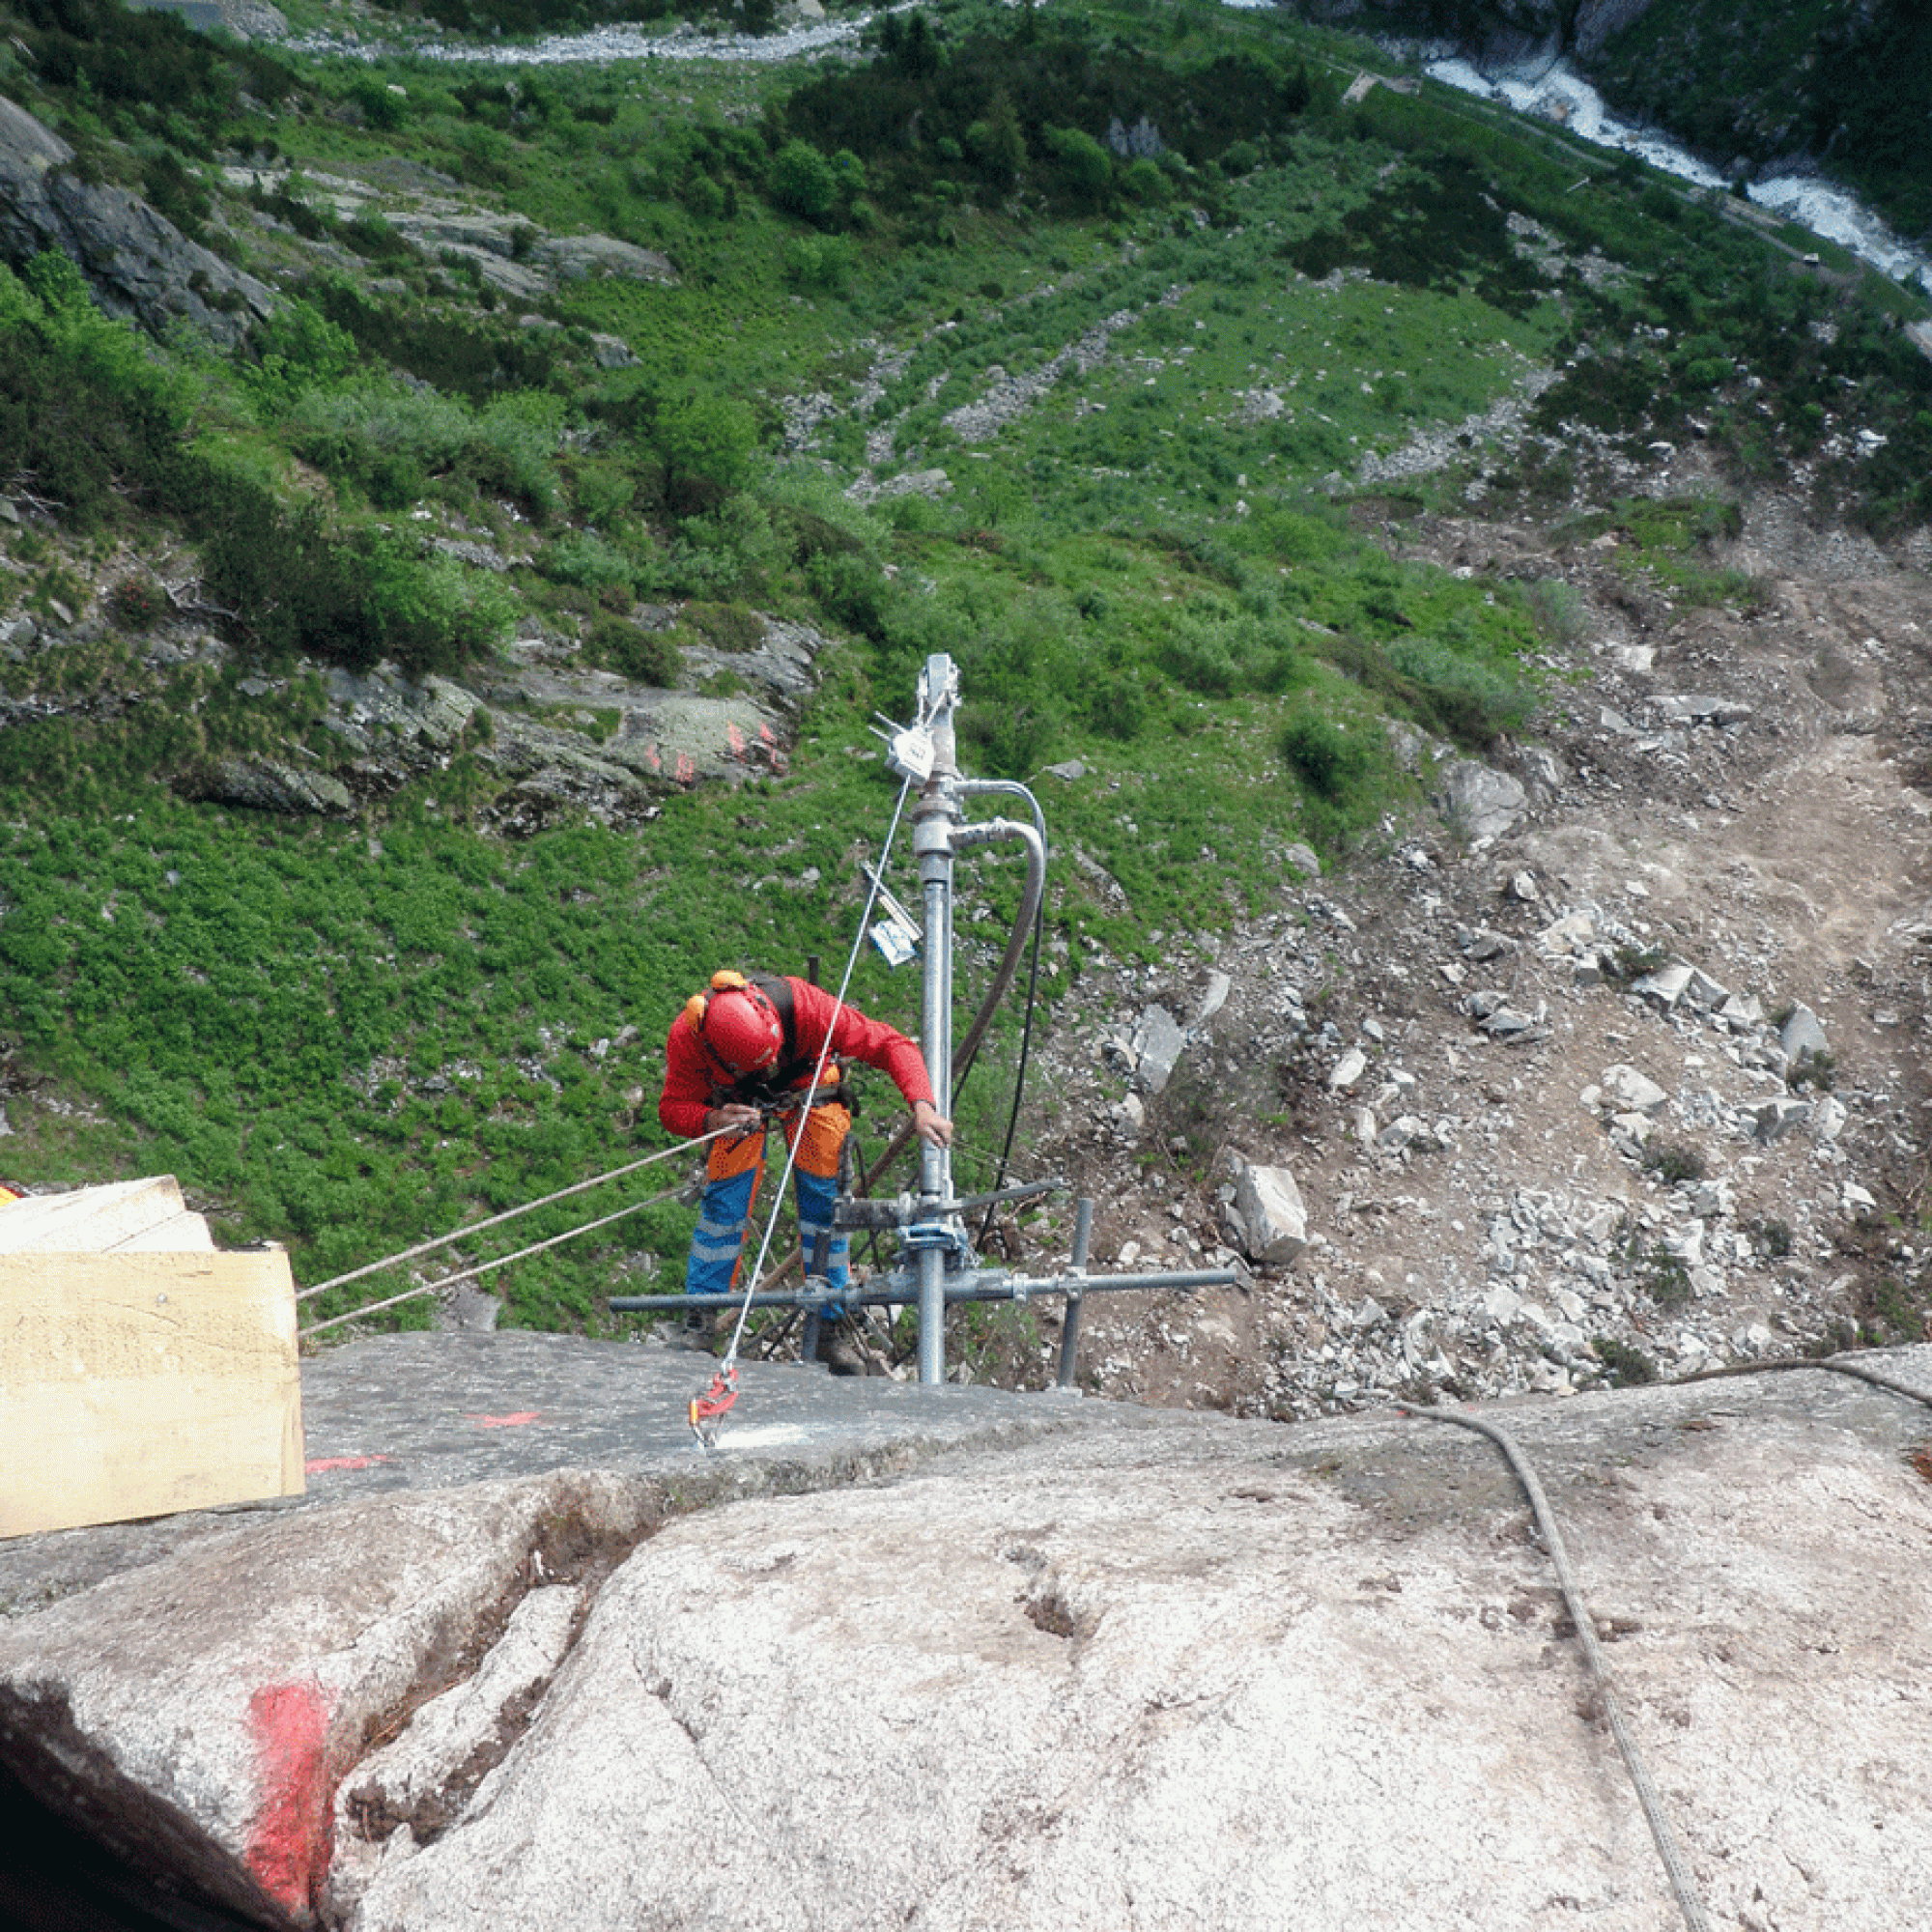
140 1384
89 1220
173 1236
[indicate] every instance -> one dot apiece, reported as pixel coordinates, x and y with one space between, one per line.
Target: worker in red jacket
744 1050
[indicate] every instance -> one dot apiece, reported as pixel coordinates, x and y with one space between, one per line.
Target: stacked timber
142 1369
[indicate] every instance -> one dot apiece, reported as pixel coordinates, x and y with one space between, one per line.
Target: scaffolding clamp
910 752
945 1237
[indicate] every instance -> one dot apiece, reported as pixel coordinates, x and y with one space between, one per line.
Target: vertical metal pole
935 819
1070 1327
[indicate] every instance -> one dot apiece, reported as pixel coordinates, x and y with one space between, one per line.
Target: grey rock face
1153 1676
268 784
139 266
232 1684
1268 1208
1483 804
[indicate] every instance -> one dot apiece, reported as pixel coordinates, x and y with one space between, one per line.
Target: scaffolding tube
980 1287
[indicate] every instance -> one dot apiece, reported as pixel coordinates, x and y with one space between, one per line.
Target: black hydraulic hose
1587 1634
1013 789
1681 1882
1003 977
1836 1365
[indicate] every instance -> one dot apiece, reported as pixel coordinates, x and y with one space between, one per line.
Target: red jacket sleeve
690 1080
854 1036
686 1098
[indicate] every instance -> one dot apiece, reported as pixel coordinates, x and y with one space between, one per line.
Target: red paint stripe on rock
289 1852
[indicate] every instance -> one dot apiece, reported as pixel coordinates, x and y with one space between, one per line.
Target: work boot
696 1331
841 1348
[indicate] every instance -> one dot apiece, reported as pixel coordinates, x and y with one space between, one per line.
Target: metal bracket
910 751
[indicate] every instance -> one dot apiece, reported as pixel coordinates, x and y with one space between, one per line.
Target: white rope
876 875
508 1214
501 1260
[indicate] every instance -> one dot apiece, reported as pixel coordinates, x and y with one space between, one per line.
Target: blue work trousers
733 1169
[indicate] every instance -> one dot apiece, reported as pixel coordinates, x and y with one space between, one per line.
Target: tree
803 181
705 443
1086 168
998 143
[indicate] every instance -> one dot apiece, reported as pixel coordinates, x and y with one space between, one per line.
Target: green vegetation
1142 555
1762 81
1624 1366
1671 1163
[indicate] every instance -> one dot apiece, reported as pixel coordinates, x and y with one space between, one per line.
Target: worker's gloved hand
931 1125
745 1119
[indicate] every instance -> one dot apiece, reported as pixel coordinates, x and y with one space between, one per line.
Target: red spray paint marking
505 1421
323 1464
687 768
737 739
289 1851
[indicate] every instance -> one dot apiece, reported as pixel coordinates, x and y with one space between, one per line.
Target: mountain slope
616 417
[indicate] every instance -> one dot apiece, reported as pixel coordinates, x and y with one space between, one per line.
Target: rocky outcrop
138 264
553 734
1087 1667
204 1709
1495 33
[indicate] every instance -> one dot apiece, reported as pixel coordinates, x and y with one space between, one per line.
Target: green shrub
1084 167
172 192
803 181
136 604
350 601
725 627
1466 699
997 142
382 108
1022 678
89 415
1329 758
650 656
588 562
1624 1367
1669 1162
821 263
707 444
1662 1276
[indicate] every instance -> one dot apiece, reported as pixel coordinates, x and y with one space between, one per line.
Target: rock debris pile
1619 1080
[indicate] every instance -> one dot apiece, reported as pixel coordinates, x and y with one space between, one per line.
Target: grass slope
1149 383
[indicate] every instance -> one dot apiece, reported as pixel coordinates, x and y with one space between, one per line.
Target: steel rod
934 825
981 1288
1070 1324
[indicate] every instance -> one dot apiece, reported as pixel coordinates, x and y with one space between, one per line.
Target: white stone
1625 1091
1270 1213
1347 1070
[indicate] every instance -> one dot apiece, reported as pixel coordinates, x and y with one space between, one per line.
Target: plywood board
89 1220
140 1384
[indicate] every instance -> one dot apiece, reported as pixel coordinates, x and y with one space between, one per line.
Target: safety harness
772 1089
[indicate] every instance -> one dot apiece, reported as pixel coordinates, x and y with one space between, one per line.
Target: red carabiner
706 1408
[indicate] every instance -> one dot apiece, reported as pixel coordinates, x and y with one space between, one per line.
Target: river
1555 92
1547 89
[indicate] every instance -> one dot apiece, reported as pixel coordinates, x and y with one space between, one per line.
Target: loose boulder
1268 1208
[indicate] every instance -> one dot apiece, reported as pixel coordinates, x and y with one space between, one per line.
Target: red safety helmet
741 1029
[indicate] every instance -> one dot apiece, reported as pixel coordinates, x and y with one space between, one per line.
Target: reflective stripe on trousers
733 1173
